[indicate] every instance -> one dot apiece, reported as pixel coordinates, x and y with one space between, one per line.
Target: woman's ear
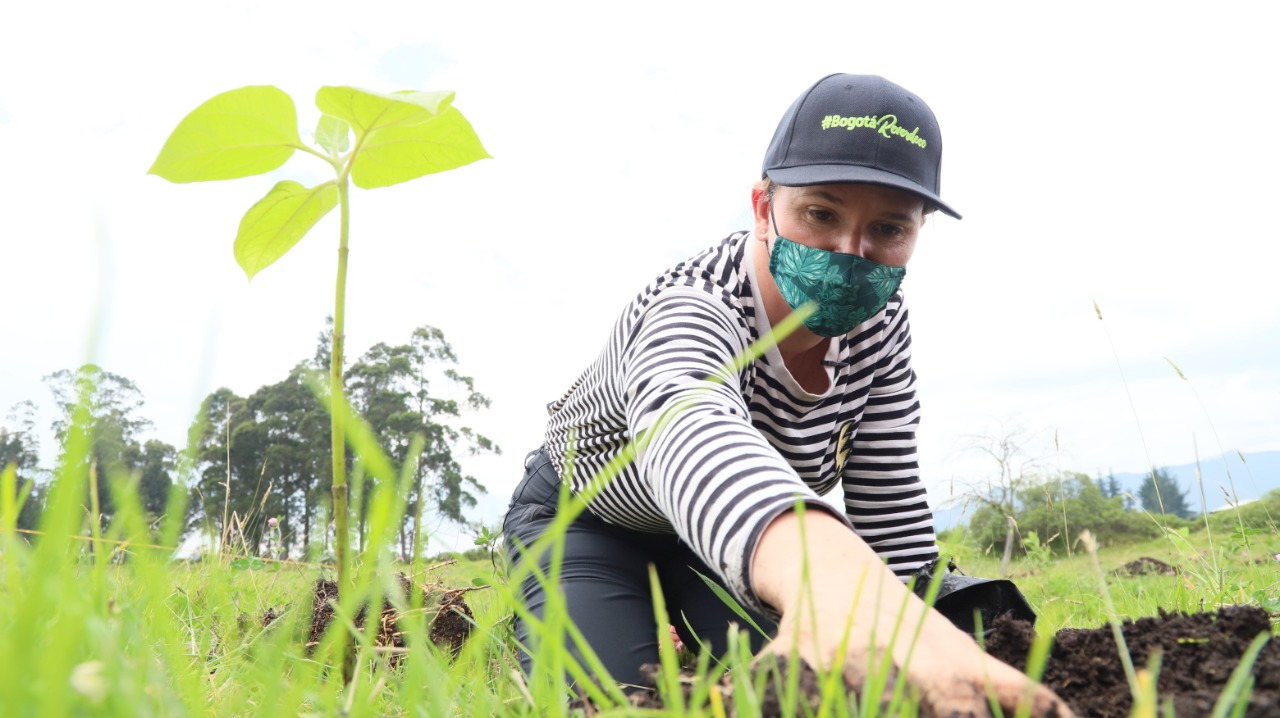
760 209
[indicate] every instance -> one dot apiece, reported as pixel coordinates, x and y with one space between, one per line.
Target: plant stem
95 524
1132 406
337 411
226 502
1091 545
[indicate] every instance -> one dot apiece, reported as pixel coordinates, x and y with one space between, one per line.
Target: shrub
1263 514
1058 510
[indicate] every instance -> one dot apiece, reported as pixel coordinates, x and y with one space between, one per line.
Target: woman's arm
708 470
851 589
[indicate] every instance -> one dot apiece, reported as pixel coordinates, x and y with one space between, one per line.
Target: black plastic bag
960 597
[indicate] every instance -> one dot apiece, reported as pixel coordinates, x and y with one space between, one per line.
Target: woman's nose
851 244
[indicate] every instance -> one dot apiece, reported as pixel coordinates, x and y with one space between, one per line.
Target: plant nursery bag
970 602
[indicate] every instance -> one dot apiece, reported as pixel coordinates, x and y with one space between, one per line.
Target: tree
228 451
263 456
1109 486
18 443
155 466
1069 503
1058 509
296 463
19 448
112 427
1161 494
414 392
267 455
1015 471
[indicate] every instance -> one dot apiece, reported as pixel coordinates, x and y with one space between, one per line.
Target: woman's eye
820 215
891 230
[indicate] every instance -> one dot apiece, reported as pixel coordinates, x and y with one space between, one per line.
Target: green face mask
848 289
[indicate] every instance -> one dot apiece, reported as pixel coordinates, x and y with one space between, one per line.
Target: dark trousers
605 579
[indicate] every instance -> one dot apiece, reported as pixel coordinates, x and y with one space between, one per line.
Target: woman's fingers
856 666
968 689
958 684
1046 703
857 674
954 698
1012 688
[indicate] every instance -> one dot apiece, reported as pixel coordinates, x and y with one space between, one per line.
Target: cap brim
832 174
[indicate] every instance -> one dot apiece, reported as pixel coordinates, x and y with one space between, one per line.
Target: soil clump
1145 566
1198 654
453 621
449 627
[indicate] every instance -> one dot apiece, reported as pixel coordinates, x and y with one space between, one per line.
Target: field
128 631
1065 591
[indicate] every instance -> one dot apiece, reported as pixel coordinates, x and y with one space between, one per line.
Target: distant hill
1254 477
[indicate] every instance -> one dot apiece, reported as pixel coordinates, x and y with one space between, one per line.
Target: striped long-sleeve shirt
729 444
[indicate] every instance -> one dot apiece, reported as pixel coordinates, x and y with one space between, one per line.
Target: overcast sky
1115 153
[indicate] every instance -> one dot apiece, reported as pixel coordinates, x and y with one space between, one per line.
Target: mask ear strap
774 220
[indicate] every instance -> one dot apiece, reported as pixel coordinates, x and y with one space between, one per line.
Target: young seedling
370 139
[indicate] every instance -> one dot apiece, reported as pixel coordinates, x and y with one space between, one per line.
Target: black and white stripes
726 448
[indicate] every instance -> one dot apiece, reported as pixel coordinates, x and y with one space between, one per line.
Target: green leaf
239 133
333 134
368 111
400 153
272 226
731 602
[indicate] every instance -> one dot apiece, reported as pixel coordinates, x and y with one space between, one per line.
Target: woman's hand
851 590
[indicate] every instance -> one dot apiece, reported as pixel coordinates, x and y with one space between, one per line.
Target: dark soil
1198 653
1145 566
453 621
771 703
810 691
448 628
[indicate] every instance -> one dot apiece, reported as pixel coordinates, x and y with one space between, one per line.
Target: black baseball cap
859 128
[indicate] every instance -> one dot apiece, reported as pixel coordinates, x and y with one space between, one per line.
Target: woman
728 446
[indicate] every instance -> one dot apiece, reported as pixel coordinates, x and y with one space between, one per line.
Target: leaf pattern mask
847 289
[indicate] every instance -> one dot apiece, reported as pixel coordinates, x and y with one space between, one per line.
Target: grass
156 637
127 631
1064 591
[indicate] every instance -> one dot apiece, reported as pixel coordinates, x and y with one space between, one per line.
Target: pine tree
1161 494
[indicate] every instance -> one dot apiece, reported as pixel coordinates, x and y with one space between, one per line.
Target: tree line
1020 498
251 459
